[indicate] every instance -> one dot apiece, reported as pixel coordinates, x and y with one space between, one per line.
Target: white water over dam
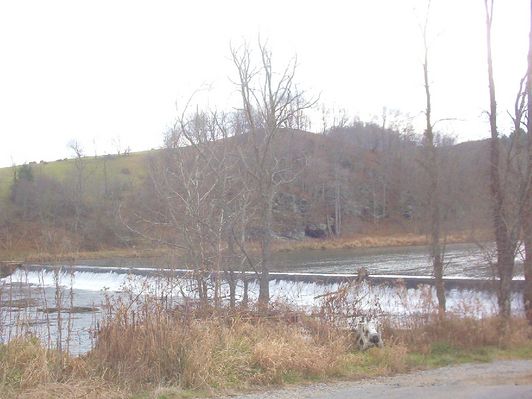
298 289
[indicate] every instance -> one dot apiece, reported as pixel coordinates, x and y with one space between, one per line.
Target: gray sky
109 72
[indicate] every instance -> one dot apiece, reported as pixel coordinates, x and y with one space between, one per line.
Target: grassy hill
131 168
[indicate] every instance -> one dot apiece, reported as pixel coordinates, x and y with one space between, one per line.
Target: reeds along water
156 331
65 308
46 306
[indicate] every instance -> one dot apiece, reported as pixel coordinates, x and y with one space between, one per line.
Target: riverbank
356 241
375 241
216 355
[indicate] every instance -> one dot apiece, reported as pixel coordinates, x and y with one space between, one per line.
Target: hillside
130 168
370 179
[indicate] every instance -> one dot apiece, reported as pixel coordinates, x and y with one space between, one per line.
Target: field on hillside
131 168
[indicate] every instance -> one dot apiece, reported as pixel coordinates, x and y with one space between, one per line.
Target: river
461 260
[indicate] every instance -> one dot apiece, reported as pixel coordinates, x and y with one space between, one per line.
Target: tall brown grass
460 332
146 343
374 241
212 349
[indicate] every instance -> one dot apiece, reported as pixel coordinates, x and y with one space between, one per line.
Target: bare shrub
348 302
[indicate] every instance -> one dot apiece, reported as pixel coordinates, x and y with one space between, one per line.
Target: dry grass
220 351
101 254
31 371
86 389
207 348
370 240
461 332
149 348
25 363
224 353
373 241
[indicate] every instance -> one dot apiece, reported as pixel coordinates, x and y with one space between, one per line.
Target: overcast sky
110 73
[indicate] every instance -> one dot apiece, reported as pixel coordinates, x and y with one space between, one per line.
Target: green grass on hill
130 169
6 179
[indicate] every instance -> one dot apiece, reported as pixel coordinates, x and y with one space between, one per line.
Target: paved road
497 380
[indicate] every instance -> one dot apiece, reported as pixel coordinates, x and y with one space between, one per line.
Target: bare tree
431 167
78 191
527 214
506 235
269 102
192 185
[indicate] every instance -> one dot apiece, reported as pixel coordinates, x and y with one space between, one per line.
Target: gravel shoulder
496 380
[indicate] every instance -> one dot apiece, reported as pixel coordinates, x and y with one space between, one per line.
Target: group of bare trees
218 181
65 211
510 180
510 174
219 176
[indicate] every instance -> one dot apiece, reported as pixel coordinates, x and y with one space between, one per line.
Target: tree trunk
505 247
232 289
440 286
337 210
527 294
384 199
231 275
527 217
505 265
374 192
245 296
266 242
433 189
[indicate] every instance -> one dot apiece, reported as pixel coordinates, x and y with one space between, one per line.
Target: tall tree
78 189
505 236
431 167
270 101
527 214
191 184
